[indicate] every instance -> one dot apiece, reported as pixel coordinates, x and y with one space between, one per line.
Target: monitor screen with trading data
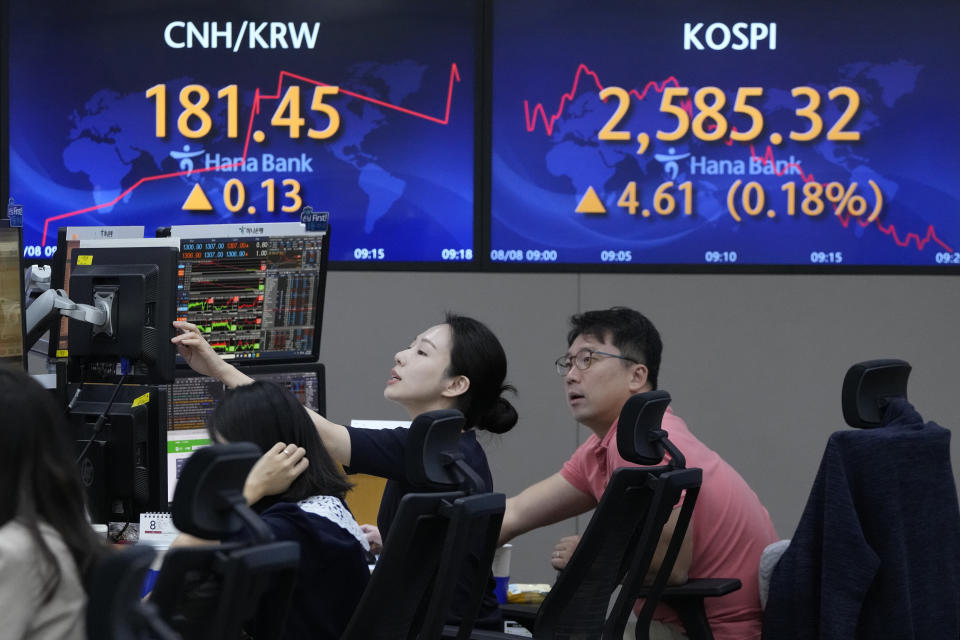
169 113
748 135
254 291
191 399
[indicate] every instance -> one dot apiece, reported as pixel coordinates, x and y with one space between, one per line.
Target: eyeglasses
583 359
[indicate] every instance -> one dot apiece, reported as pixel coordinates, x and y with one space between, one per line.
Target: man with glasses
613 354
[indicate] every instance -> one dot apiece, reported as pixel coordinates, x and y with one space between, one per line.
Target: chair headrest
210 487
639 437
433 451
867 388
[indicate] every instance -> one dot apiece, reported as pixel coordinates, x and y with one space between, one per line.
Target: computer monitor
11 296
255 291
68 239
191 398
123 465
136 287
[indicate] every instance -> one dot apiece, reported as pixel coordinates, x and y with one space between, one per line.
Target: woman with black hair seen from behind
459 364
47 547
311 511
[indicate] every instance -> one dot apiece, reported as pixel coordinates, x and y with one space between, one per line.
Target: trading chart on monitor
191 399
256 298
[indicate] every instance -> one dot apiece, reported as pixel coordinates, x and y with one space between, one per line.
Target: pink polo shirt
730 526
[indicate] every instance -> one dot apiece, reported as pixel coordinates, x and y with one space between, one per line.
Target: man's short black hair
630 331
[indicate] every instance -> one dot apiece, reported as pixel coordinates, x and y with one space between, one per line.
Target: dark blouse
332 576
381 452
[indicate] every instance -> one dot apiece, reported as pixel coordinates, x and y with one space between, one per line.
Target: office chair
114 608
877 551
686 599
214 591
411 588
621 536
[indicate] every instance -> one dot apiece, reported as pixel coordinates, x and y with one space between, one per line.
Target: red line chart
539 110
539 115
890 230
255 110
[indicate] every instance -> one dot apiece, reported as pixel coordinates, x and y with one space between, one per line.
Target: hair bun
500 418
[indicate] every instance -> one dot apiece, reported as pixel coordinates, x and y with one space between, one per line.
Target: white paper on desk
380 424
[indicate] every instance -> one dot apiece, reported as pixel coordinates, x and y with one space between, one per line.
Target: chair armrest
699 588
687 600
524 614
450 632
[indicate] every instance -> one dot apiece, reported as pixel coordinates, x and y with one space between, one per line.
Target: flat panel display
785 136
256 296
191 399
218 112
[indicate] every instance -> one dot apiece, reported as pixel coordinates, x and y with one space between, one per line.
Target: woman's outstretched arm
201 357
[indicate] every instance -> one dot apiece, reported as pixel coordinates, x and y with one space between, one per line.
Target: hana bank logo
186 158
669 161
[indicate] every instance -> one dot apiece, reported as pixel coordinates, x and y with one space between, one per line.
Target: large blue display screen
129 113
747 133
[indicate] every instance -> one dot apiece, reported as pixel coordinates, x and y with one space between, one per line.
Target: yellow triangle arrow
590 203
197 200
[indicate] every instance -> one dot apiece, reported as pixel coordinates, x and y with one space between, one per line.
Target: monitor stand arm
52 303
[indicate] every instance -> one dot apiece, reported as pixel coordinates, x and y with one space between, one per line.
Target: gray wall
754 362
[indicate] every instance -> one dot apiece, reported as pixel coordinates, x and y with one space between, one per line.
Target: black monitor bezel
165 259
146 403
58 275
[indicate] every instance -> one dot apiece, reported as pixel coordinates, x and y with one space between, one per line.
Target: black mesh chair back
686 599
622 534
393 604
411 588
217 590
576 606
477 516
668 490
114 608
621 538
